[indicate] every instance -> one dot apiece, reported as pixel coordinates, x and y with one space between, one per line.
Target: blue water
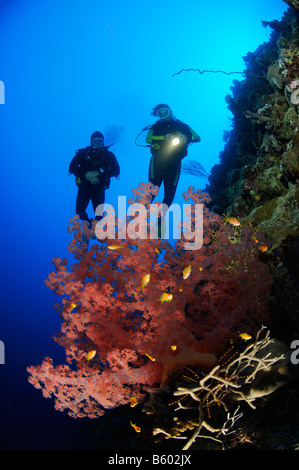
71 67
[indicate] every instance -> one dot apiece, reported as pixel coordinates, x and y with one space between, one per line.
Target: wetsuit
87 159
165 164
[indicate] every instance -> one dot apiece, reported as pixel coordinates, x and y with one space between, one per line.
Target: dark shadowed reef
257 178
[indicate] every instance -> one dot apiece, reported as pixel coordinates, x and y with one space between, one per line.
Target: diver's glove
92 177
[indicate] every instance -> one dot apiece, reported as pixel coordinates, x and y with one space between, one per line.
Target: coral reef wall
258 173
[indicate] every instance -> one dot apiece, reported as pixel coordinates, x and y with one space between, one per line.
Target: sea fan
192 167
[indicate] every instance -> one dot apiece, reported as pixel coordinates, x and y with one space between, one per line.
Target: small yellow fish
115 246
244 336
173 348
263 248
90 355
137 428
166 297
72 306
255 239
150 357
187 271
145 280
181 288
200 268
157 251
133 401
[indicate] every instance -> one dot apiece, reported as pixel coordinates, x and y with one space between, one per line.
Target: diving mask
163 113
97 142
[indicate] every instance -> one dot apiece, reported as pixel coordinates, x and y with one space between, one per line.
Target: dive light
175 141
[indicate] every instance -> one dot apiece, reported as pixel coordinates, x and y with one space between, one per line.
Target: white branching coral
215 395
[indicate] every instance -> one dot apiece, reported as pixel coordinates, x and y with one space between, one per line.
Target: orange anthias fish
166 297
90 355
115 246
150 357
133 401
187 271
137 428
233 221
145 280
244 336
263 248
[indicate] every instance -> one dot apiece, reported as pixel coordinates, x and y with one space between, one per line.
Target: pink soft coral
139 341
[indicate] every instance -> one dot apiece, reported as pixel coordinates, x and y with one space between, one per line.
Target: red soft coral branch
138 340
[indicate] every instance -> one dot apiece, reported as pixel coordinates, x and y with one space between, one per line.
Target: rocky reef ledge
258 173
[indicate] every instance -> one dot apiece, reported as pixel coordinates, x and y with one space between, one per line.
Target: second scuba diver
93 167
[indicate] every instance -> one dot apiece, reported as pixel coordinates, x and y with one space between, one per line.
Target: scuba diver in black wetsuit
169 139
93 167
